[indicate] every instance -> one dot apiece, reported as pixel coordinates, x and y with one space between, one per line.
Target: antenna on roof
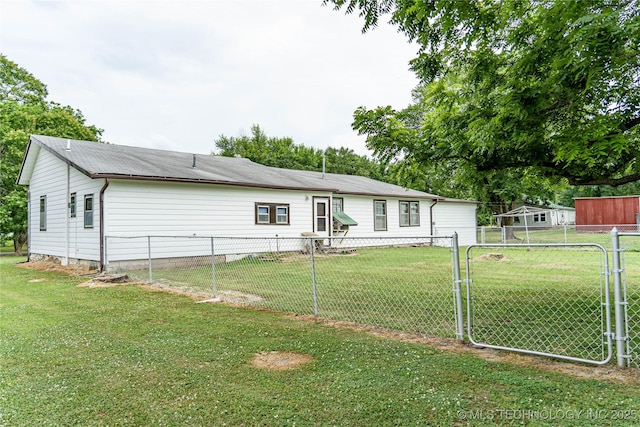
68 145
193 165
323 162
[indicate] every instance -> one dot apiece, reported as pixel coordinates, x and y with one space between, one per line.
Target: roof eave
204 181
398 196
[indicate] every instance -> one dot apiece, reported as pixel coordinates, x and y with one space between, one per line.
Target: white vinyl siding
64 232
166 208
450 217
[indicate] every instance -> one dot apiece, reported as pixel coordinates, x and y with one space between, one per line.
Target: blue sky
178 74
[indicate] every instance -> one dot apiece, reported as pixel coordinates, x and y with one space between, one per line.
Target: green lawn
128 356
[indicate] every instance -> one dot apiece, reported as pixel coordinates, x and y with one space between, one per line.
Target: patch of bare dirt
280 360
106 281
72 270
236 297
491 257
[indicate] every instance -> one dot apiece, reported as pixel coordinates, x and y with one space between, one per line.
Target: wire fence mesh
543 299
630 266
519 234
548 299
398 283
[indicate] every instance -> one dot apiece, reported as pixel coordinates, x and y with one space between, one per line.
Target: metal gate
626 253
541 299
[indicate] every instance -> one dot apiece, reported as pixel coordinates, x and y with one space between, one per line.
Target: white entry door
321 216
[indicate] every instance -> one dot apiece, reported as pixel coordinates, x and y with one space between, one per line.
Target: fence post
482 235
619 302
457 291
213 270
149 249
312 244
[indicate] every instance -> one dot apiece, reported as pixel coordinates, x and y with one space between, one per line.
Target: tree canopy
282 152
24 110
529 87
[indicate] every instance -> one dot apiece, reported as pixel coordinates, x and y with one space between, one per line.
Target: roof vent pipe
193 165
324 153
68 145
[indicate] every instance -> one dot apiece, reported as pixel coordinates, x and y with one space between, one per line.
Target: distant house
541 216
80 192
548 216
601 213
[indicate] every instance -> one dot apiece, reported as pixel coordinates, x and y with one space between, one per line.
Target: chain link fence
398 283
537 298
629 255
600 234
540 299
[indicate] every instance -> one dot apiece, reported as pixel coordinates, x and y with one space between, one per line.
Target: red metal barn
594 212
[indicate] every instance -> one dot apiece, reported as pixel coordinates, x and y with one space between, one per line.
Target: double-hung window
272 213
88 211
409 214
337 204
380 215
263 213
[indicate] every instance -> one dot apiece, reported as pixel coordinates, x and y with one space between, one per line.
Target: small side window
43 213
88 211
72 205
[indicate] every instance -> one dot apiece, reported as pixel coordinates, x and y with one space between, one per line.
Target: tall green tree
542 88
284 153
24 110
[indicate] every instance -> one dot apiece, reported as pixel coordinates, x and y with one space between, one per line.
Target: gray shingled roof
123 162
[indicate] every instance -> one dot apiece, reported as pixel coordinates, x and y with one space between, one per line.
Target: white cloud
177 74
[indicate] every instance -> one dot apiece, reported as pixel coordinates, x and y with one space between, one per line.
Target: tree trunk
19 239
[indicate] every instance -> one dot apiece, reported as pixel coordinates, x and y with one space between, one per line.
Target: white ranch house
81 192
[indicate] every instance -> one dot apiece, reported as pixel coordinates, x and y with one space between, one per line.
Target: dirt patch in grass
71 270
280 360
491 257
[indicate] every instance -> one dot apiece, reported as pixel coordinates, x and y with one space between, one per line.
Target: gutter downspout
29 213
102 190
435 202
66 218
